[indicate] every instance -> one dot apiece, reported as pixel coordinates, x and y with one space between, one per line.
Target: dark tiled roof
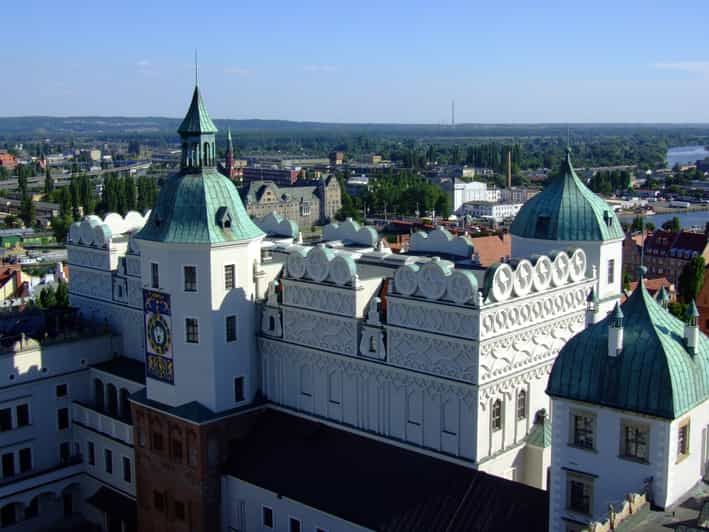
378 485
113 502
127 368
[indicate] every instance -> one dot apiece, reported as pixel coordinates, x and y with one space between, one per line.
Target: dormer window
542 228
224 218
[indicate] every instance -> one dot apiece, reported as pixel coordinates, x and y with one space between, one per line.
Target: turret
615 332
592 308
663 298
691 329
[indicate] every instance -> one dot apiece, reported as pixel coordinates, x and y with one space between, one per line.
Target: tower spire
196 70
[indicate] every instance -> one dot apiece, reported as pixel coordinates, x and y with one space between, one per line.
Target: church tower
198 251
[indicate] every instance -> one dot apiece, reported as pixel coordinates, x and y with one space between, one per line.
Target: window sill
681 458
581 448
641 461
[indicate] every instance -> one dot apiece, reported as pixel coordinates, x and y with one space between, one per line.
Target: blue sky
360 61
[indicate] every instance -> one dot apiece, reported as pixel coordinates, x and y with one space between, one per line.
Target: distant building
518 194
43 210
464 192
231 168
279 176
337 158
493 211
307 205
7 161
666 253
703 304
357 185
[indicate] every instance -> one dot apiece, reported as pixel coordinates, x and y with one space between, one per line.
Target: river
686 154
687 219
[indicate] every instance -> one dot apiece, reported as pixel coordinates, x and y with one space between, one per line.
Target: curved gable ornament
542 273
578 265
317 264
523 278
295 264
343 269
441 241
462 286
406 279
560 268
500 286
433 279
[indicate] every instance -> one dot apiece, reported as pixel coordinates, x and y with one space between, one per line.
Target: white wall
615 476
242 504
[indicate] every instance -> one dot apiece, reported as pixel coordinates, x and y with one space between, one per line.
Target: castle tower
199 250
568 215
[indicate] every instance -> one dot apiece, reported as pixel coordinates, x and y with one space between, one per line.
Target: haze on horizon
399 63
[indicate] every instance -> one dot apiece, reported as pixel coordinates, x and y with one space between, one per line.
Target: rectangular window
294 525
91 452
23 415
159 501
238 389
191 331
25 460
5 419
683 440
177 450
582 430
496 416
179 510
611 271
231 328
157 441
108 460
228 276
64 452
267 516
63 418
190 278
579 494
127 477
154 275
32 509
8 465
522 404
634 440
62 390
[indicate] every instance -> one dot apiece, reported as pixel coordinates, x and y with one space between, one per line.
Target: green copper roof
654 373
540 434
567 210
203 207
197 119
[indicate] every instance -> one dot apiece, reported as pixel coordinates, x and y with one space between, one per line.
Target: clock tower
198 252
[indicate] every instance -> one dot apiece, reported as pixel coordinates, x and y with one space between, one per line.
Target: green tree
48 181
27 211
62 295
691 279
47 297
673 225
60 226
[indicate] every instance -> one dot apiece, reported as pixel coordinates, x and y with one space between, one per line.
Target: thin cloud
692 67
143 63
237 71
320 68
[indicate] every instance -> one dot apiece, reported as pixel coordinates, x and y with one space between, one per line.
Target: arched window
522 404
271 323
496 415
207 154
111 400
98 394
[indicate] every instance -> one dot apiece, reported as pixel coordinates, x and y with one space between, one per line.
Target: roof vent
224 218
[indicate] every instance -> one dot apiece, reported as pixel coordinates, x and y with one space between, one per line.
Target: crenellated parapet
441 241
322 265
351 233
94 232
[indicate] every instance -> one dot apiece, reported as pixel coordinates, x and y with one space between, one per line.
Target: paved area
681 517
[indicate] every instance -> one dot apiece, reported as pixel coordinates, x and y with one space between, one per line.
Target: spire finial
196 70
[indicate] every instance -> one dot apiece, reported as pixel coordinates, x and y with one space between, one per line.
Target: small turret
663 298
592 307
691 329
615 332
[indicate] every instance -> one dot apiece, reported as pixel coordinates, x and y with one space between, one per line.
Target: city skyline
391 64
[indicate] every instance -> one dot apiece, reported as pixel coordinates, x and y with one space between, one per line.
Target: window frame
193 284
232 268
610 277
521 394
188 328
17 415
59 419
230 339
624 441
586 480
108 461
573 441
90 453
684 452
265 508
497 418
291 520
155 275
126 468
242 388
20 470
63 385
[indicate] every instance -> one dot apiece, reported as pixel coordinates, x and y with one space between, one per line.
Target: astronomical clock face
158 337
158 334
